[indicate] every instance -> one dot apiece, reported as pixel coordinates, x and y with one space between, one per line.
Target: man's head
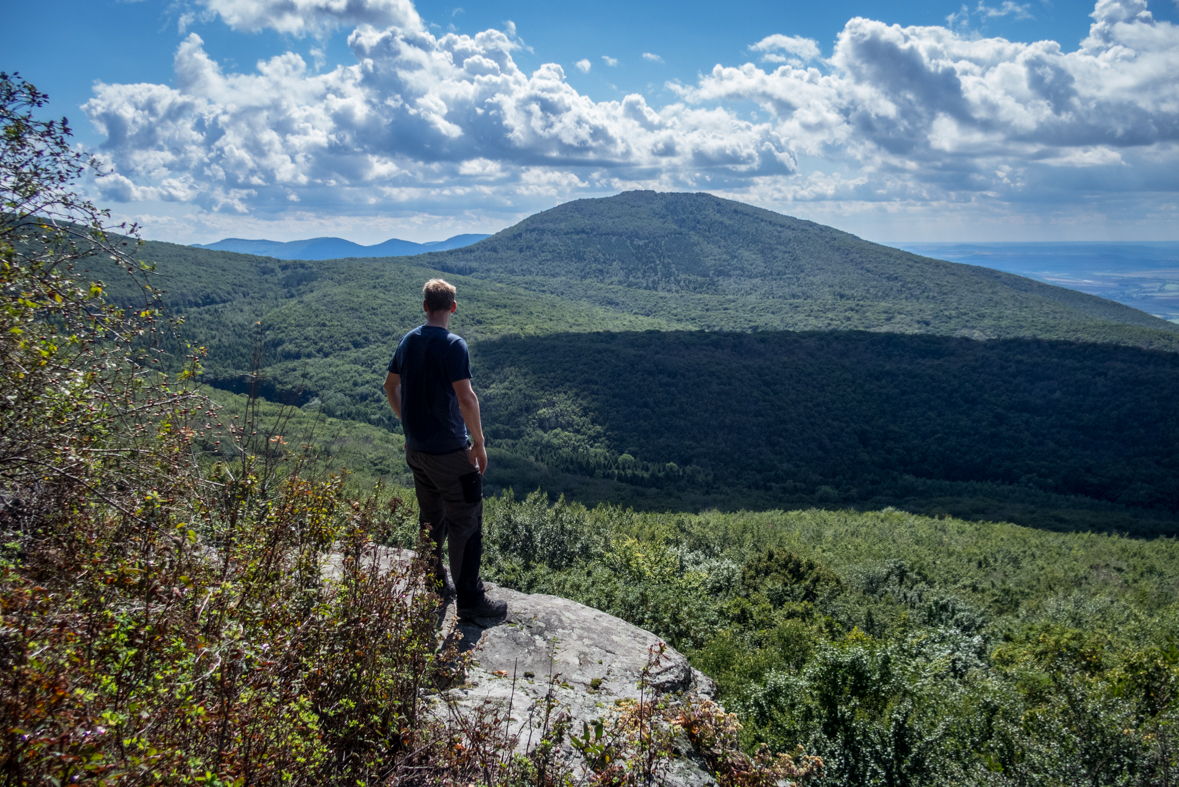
438 296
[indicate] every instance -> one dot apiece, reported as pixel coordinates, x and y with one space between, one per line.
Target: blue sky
371 119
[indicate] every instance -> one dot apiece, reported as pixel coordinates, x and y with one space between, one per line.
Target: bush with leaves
535 534
784 576
715 733
158 626
566 550
83 404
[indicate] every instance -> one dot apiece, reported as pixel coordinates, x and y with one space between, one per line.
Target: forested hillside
763 270
771 419
690 261
632 350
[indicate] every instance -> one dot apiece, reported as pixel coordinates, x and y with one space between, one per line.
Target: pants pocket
472 487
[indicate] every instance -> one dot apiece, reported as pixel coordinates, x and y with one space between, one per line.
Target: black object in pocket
472 487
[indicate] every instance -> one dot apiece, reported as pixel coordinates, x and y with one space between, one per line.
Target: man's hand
478 456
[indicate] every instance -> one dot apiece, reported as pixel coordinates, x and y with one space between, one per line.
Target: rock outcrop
553 656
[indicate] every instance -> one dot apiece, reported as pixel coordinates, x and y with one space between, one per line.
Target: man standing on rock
429 388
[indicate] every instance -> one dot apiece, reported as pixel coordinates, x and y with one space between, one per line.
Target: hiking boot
488 608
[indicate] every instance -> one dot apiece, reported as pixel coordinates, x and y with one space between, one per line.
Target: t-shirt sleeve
458 362
395 363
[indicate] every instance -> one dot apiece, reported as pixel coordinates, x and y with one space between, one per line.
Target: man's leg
431 517
465 548
463 512
463 518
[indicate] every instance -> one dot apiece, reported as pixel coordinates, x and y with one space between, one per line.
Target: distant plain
1139 274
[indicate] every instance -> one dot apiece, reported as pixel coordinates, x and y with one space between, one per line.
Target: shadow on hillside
1053 435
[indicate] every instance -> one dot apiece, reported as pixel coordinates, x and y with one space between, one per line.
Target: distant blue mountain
336 248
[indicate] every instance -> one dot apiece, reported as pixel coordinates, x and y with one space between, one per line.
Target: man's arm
393 391
469 406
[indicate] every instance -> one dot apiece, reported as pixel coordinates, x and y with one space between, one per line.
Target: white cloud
415 112
610 61
1008 8
897 116
1096 156
583 66
481 168
652 57
299 17
947 107
803 49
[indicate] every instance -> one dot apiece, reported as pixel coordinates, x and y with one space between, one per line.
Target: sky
919 121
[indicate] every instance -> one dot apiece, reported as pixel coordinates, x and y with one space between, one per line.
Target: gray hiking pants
450 502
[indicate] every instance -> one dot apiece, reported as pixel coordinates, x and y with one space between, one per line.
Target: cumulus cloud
300 17
583 66
415 110
947 108
907 114
652 57
610 61
776 48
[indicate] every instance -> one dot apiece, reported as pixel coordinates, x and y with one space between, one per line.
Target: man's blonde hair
438 295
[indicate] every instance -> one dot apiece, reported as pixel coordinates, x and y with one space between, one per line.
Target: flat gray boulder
552 656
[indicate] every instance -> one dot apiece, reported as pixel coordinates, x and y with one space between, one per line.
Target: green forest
771 419
684 352
904 650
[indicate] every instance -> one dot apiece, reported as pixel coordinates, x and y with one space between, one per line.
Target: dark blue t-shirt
429 361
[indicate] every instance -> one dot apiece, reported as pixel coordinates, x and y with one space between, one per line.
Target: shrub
535 534
784 576
160 626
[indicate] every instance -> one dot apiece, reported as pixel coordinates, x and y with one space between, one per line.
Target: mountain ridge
699 244
337 248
